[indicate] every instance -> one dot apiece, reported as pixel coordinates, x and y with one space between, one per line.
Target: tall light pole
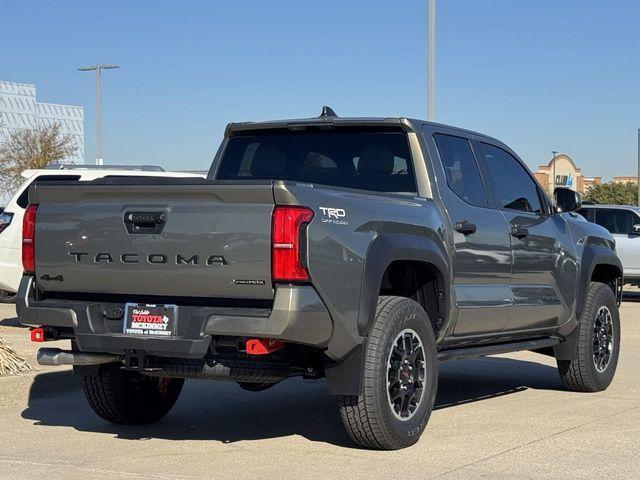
431 62
553 185
98 69
639 167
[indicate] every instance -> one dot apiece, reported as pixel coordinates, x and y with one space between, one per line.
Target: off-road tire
368 417
581 374
130 398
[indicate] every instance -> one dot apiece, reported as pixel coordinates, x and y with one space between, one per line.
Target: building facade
562 172
626 179
20 110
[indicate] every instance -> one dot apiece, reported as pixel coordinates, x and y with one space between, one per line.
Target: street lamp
554 153
98 69
431 62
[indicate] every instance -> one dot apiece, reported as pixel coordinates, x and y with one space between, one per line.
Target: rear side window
616 221
23 199
461 169
512 186
365 160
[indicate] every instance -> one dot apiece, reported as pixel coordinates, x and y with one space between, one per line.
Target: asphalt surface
499 417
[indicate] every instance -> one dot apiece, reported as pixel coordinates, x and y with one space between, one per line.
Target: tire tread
578 375
360 414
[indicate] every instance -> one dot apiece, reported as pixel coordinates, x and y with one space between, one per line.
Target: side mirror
567 200
635 230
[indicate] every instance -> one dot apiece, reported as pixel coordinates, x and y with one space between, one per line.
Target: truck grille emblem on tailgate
153 258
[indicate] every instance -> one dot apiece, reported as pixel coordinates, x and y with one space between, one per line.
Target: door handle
465 227
519 232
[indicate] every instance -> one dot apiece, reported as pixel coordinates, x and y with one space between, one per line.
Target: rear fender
345 378
386 249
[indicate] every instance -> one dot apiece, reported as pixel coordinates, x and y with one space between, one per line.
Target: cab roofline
407 124
318 122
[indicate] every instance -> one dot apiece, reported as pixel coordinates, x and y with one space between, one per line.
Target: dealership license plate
150 320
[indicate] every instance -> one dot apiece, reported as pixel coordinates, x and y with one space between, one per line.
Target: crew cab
362 250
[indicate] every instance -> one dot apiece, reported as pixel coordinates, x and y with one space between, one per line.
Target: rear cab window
363 159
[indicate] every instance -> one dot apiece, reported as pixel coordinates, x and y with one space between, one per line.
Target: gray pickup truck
360 250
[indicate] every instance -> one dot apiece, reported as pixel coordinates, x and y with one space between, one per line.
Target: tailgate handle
145 222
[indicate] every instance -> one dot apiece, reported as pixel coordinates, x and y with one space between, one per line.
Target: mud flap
567 349
345 378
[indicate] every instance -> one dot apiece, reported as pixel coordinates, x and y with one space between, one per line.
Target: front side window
512 186
461 169
587 213
360 159
616 221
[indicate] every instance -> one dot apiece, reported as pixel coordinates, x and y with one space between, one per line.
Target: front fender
596 252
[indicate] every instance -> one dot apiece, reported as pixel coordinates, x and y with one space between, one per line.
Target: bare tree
33 148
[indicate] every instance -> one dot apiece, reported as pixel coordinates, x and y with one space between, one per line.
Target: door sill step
484 350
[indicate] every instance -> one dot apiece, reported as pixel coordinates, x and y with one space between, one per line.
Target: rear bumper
298 316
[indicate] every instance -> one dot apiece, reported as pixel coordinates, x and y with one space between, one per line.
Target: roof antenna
327 112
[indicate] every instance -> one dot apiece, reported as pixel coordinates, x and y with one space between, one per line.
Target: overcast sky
541 76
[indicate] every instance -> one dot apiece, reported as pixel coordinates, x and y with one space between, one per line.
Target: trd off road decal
334 215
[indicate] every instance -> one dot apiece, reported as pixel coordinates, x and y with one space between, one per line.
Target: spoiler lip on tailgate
146 188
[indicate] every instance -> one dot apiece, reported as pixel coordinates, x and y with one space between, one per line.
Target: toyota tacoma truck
360 250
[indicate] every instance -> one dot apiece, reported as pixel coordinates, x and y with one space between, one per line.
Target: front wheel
598 346
399 380
130 398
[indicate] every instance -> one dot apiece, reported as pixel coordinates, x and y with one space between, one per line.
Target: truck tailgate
178 240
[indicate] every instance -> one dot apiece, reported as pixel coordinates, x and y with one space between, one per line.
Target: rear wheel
129 398
399 378
7 297
598 343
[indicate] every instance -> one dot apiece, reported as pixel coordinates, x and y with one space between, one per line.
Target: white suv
623 221
11 217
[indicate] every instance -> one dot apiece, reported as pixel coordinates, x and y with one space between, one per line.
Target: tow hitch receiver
43 334
263 346
36 334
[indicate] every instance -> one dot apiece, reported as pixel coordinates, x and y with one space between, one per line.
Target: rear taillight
289 259
28 239
5 220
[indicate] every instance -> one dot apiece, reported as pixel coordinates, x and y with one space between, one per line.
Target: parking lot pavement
498 417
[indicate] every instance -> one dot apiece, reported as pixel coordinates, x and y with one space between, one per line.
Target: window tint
587 213
23 199
461 169
616 221
361 159
512 186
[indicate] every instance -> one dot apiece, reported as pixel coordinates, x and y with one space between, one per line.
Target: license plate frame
150 320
